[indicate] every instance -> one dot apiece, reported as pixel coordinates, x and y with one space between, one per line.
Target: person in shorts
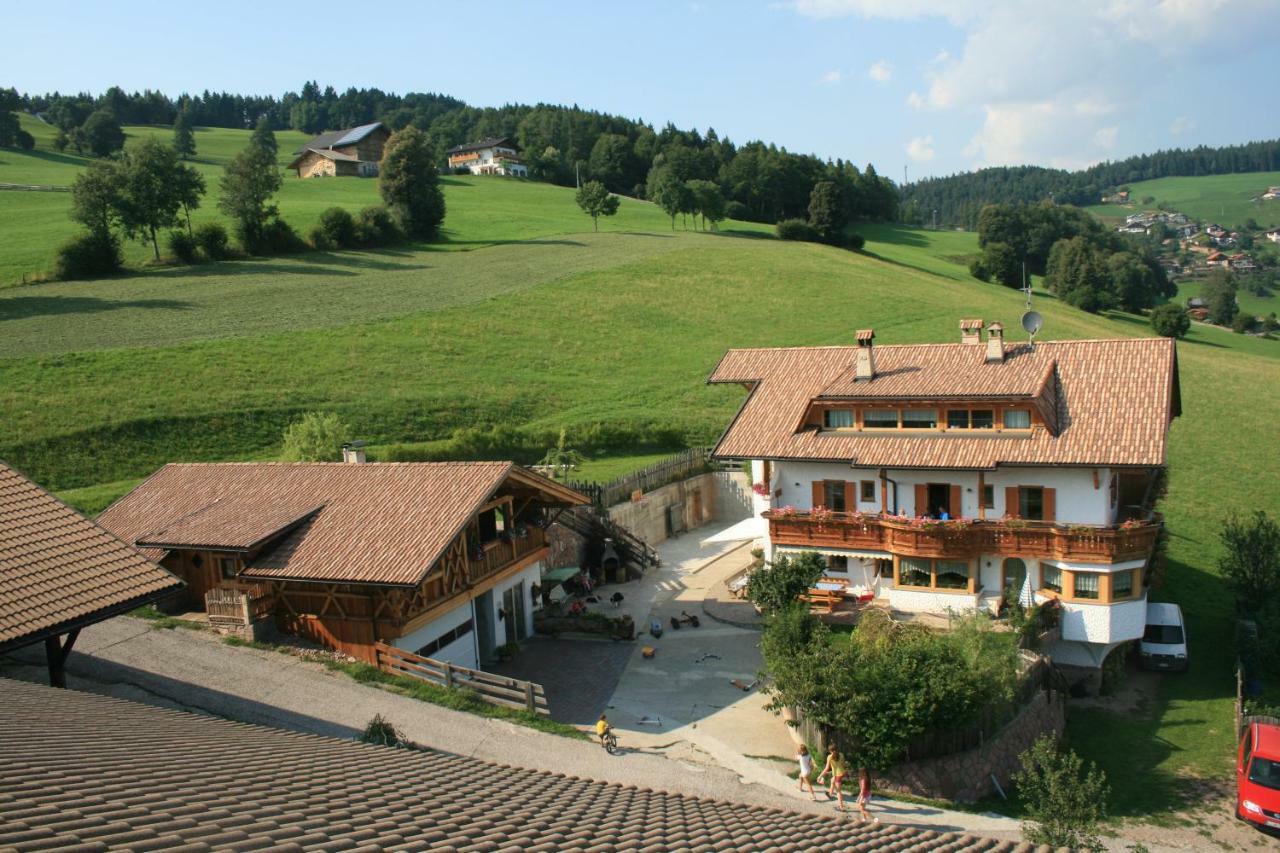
806 770
839 771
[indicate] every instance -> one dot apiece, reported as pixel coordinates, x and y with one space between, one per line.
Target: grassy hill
550 327
1225 199
35 223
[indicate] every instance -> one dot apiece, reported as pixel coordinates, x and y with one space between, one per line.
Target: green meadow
547 326
1224 199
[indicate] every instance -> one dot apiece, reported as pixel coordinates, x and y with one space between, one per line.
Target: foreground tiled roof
1110 402
58 569
383 523
86 772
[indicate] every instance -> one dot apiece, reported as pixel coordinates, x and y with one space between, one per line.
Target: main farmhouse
941 475
495 156
442 559
355 151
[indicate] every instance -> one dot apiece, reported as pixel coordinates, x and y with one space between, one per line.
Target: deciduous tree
100 134
249 182
1064 800
151 191
708 201
315 437
596 201
1170 321
1252 560
184 138
264 137
410 184
95 194
827 213
666 191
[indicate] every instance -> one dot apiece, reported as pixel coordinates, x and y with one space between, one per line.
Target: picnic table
822 599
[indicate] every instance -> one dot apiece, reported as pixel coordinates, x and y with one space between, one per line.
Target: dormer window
1017 419
837 419
880 419
971 419
919 418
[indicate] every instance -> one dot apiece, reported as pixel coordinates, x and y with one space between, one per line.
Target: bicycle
610 742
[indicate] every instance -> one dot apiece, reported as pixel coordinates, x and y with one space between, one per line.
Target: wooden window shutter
957 497
850 496
1050 504
1011 506
922 499
819 492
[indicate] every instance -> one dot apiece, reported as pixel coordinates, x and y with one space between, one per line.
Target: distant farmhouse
354 151
489 157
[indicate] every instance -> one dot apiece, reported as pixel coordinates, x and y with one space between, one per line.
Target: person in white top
806 771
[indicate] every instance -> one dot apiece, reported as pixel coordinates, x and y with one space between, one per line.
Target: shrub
1251 563
25 141
319 239
316 437
796 229
978 269
1170 321
279 238
855 242
1243 323
339 227
182 246
775 588
88 256
381 732
1063 801
377 227
737 210
212 239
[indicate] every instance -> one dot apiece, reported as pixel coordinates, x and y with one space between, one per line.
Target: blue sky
935 85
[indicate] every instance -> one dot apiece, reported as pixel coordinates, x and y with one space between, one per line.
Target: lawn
1224 199
482 211
615 329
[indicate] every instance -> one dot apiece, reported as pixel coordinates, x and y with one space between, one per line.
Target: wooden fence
35 188
1243 718
243 606
494 689
676 467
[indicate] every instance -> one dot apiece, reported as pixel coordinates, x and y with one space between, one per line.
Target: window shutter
957 498
1011 507
1050 504
819 493
850 496
922 499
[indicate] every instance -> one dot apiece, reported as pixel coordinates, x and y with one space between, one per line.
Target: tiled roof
339 138
384 523
491 142
58 569
1114 400
86 772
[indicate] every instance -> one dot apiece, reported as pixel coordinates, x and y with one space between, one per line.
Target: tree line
1083 262
959 199
564 145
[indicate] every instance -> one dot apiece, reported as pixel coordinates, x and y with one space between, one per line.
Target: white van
1164 642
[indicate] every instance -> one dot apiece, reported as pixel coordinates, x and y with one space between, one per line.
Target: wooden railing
678 466
964 539
503 552
242 605
494 689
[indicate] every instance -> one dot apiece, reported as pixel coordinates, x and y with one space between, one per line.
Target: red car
1258 776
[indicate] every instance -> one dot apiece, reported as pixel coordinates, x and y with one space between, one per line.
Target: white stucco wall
461 651
1104 623
529 575
1077 501
911 601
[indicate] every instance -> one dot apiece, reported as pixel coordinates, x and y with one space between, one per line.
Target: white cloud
830 77
1181 125
880 71
920 149
1055 83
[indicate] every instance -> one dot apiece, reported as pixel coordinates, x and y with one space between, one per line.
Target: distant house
1197 302
1217 259
497 156
355 151
1271 193
1274 235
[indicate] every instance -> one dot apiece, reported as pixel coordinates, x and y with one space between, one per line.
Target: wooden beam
56 656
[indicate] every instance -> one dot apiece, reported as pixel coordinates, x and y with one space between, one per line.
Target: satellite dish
1031 322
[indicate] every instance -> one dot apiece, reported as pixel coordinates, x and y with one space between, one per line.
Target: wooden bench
823 599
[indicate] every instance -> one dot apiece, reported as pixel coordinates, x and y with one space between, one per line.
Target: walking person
839 770
864 796
806 770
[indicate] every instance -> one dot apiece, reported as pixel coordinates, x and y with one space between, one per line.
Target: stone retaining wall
717 496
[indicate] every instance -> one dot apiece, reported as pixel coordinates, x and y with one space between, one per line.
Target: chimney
353 453
995 343
864 367
971 331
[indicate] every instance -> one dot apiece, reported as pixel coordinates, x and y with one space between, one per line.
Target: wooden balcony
501 553
963 539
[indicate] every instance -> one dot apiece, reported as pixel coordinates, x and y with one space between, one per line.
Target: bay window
913 571
953 574
1051 577
1085 585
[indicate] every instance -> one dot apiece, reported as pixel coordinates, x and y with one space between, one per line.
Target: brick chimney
971 331
864 366
353 453
995 343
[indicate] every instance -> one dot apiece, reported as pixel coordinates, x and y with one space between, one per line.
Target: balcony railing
963 538
504 551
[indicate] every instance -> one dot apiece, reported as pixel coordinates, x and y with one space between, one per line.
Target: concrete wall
721 496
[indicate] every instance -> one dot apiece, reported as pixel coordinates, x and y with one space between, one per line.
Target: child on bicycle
603 728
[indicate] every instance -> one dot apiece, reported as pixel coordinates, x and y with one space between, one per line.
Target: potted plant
507 651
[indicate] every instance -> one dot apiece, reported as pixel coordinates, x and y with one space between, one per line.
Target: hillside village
413 474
